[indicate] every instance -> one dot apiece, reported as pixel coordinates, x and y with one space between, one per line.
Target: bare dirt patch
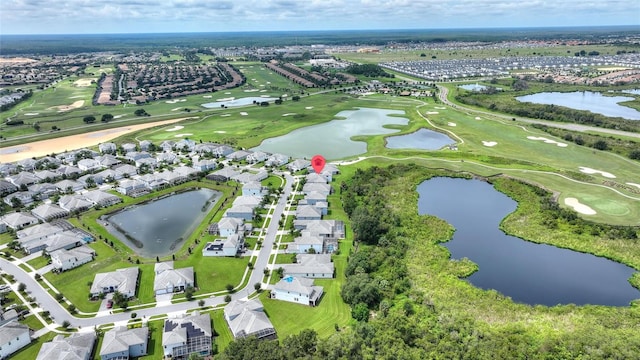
72 142
62 108
83 82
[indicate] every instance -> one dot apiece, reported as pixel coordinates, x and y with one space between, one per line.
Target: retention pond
527 272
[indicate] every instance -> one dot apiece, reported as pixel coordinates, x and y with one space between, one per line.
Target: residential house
205 164
129 147
252 188
277 160
222 151
74 203
144 145
186 335
77 346
27 164
306 244
240 212
51 241
185 145
149 162
131 187
312 178
257 157
68 186
23 178
297 290
90 180
48 212
69 171
251 201
247 318
88 164
107 148
298 164
228 226
46 175
308 212
153 181
121 343
43 190
63 260
313 197
205 148
247 176
167 158
101 198
169 280
167 145
317 187
19 220
7 188
13 337
108 160
23 198
123 281
315 266
223 174
137 155
229 246
125 170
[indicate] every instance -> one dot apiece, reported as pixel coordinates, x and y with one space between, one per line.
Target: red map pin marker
318 163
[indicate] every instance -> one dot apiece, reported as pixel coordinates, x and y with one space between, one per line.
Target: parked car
109 304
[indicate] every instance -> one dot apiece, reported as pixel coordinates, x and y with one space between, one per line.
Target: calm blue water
158 224
527 272
586 100
333 139
422 139
237 102
472 87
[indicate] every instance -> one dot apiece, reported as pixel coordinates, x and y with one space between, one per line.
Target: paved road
443 92
60 314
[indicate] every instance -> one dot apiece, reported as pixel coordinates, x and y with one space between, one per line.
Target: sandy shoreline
72 142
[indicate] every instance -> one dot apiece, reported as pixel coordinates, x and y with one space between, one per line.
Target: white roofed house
185 145
13 337
169 280
48 212
240 211
205 164
312 178
222 151
297 290
247 318
137 155
322 188
129 147
101 198
252 188
23 178
314 266
149 162
64 186
130 186
238 155
108 160
27 164
298 164
186 335
308 212
19 220
144 145
69 171
223 174
108 147
24 198
77 346
154 181
229 246
74 203
46 175
63 259
121 343
304 244
277 160
167 158
123 281
126 170
88 164
228 226
167 145
44 190
257 157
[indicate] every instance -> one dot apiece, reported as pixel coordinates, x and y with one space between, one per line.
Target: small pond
422 139
333 139
527 272
237 102
586 100
472 87
159 227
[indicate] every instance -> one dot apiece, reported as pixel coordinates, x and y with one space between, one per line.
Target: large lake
586 100
527 272
422 139
162 225
333 139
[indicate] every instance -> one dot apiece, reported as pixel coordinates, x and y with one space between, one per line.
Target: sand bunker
176 109
220 132
172 101
225 115
578 207
207 96
548 141
288 114
176 128
118 116
587 170
76 96
244 113
32 114
489 143
73 142
439 107
634 184
264 96
63 108
263 90
251 90
432 112
182 135
451 124
226 99
83 82
227 93
309 107
478 118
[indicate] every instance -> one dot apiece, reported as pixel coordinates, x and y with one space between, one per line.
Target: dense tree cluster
368 70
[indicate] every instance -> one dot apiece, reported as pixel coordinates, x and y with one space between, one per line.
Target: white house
240 211
304 244
277 160
252 188
230 246
169 280
123 281
228 226
297 290
247 318
19 220
63 259
314 266
13 337
186 335
77 346
121 343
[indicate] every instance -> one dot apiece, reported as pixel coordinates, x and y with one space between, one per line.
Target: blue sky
144 16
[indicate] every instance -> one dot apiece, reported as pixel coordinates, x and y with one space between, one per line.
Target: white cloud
82 16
